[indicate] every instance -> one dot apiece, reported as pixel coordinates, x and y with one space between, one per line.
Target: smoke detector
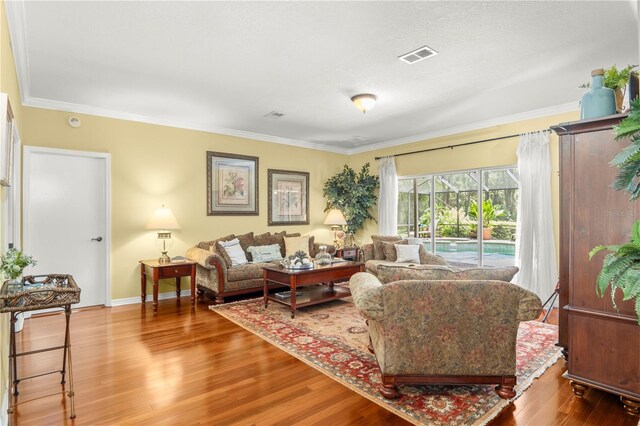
418 55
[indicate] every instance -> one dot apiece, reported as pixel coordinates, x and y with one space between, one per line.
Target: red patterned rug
332 338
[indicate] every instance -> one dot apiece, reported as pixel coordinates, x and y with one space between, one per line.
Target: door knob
97 239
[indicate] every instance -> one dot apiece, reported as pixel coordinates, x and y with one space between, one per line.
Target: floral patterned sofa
443 331
217 278
382 252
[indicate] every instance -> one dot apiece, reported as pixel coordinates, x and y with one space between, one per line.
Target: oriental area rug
332 337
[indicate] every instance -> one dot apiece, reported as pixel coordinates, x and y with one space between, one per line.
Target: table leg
143 284
193 286
67 348
265 288
292 282
13 374
155 294
178 288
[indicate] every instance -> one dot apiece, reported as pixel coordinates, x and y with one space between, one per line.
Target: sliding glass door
460 203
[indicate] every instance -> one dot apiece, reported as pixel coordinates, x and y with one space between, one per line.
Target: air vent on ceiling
417 55
274 115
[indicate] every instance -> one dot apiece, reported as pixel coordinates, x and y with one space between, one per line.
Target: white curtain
535 245
388 200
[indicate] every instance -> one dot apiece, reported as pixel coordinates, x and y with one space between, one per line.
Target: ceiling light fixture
364 102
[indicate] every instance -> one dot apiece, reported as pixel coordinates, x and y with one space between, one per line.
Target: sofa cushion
248 271
213 247
372 265
246 240
234 251
378 249
390 272
262 239
265 253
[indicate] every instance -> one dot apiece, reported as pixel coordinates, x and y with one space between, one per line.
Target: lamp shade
163 219
335 217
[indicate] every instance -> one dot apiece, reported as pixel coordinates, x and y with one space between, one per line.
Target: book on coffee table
286 294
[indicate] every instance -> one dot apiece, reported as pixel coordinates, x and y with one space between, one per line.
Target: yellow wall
152 165
496 153
9 85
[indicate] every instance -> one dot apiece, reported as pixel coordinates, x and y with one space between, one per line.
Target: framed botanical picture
6 140
232 184
288 197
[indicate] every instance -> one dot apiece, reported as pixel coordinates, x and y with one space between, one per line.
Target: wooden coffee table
277 275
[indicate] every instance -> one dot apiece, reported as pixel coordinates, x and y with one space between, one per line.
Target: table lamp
336 219
163 221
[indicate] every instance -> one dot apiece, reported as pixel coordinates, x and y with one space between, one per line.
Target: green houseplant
616 80
354 194
621 267
489 213
13 262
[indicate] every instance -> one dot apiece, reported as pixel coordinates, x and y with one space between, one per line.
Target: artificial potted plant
12 264
354 194
489 213
617 80
621 266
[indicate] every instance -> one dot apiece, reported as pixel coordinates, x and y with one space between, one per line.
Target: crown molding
507 119
204 127
17 26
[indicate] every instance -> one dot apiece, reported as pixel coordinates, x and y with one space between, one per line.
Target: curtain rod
457 145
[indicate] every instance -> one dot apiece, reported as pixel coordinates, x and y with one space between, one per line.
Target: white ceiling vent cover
274 115
417 55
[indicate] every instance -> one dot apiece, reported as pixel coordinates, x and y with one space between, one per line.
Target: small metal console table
39 292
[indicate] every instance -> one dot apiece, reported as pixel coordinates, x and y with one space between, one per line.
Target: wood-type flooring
184 367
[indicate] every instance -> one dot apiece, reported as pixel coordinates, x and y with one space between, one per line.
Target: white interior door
66 218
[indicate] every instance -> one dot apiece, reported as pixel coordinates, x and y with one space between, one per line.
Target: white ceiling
221 66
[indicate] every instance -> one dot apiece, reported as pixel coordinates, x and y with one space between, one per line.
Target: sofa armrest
530 306
205 258
367 251
366 291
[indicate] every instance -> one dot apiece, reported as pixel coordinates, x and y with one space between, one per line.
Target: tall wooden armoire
601 344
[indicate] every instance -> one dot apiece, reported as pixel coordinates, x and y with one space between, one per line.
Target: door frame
106 157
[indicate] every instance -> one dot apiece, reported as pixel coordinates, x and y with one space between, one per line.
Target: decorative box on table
39 292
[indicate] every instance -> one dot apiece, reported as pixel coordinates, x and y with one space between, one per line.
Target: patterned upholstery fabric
238 279
371 266
389 273
262 239
246 240
367 252
444 327
378 249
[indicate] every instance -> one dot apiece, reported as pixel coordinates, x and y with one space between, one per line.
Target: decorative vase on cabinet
599 101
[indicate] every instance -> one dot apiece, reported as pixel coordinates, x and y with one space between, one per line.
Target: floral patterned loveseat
217 278
443 331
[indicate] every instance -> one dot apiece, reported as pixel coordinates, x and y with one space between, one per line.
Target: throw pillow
294 244
378 249
246 240
408 253
206 245
265 253
234 251
278 238
262 239
214 248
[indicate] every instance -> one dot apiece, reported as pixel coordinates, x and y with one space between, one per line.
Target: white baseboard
161 296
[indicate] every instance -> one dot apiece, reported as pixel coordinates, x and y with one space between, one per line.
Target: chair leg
389 391
505 389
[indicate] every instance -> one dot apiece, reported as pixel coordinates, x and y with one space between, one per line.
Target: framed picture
232 184
288 197
6 140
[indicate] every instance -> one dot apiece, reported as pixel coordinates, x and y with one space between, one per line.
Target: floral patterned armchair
444 331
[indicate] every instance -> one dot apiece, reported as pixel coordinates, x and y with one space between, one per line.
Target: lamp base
164 258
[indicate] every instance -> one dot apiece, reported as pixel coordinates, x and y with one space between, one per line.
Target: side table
156 271
39 292
348 253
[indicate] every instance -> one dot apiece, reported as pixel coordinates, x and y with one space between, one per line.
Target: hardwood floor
197 368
